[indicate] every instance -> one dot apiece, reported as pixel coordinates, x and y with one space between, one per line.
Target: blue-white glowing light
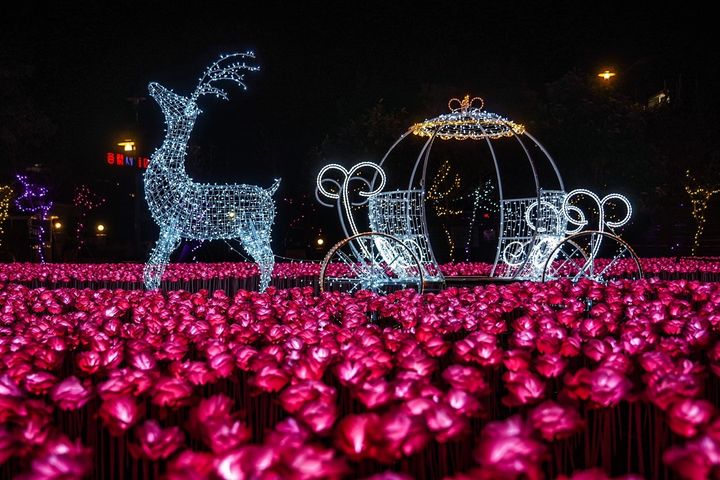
183 208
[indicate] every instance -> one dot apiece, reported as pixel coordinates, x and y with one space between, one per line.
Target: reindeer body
183 208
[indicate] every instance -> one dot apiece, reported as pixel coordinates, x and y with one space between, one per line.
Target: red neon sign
123 160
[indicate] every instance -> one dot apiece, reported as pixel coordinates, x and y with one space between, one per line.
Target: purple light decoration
33 201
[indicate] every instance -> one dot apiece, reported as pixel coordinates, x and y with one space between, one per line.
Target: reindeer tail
273 188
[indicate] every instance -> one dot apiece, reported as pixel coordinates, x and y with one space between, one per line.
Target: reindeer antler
220 70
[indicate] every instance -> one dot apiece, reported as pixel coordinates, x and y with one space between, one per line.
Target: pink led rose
523 388
71 394
119 413
172 392
507 449
60 458
555 421
155 442
687 415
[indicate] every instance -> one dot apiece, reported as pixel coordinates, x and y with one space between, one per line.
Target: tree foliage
596 134
25 131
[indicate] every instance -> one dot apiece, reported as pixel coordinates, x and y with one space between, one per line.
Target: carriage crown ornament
467 120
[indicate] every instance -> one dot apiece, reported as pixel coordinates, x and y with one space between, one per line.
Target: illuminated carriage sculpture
534 241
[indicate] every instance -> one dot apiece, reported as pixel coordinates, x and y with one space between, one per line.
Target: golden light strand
467 120
439 199
5 196
699 198
435 194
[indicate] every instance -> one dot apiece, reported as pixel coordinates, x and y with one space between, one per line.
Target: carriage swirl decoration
543 235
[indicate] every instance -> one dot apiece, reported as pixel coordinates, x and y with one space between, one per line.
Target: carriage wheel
371 261
598 256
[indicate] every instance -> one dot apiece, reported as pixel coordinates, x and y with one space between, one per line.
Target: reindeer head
174 105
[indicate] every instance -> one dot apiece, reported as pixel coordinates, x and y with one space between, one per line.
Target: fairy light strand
300 205
6 193
699 198
481 201
185 209
440 197
84 201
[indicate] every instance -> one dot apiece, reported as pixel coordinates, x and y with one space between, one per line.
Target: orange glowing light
607 75
128 145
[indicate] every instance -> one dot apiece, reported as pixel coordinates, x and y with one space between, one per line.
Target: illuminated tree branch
699 198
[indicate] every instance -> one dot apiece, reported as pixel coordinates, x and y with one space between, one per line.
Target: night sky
322 63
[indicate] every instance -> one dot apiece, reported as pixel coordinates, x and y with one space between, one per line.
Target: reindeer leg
159 258
259 249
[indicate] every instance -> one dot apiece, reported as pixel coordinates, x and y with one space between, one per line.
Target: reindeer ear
156 89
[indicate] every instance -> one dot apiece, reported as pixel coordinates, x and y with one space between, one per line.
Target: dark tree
25 130
596 134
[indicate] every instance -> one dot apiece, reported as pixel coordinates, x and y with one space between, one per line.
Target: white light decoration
533 229
468 121
343 188
579 255
392 217
601 204
401 214
580 220
183 208
481 198
397 214
530 231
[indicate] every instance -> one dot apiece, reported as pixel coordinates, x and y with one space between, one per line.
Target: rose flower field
346 241
102 379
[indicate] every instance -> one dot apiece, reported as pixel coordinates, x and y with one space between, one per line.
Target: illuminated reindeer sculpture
183 208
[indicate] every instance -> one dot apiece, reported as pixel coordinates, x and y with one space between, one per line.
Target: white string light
397 215
481 197
183 208
401 214
342 195
548 220
530 230
601 204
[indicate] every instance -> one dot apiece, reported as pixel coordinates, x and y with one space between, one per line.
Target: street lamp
606 75
100 228
128 145
56 226
319 241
